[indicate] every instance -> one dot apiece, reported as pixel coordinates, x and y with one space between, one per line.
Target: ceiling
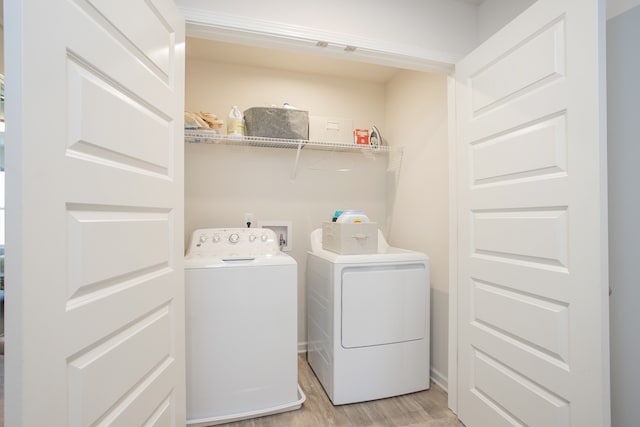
230 53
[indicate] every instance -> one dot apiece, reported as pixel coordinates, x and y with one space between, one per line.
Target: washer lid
199 261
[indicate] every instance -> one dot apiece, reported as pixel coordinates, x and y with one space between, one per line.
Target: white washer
368 321
241 326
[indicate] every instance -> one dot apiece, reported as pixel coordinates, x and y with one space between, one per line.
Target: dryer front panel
384 304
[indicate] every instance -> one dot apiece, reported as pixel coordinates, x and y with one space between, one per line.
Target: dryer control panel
227 243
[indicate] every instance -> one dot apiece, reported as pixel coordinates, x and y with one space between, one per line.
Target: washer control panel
233 243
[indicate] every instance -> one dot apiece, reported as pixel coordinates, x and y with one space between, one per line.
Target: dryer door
384 304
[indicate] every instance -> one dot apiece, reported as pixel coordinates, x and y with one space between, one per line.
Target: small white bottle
235 123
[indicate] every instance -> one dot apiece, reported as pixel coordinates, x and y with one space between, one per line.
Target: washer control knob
203 238
252 238
216 238
233 238
264 237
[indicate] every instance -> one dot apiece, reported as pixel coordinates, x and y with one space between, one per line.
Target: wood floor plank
422 409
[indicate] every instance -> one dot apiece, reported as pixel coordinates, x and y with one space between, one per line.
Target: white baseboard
439 379
302 347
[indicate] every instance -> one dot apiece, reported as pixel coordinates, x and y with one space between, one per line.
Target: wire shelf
205 136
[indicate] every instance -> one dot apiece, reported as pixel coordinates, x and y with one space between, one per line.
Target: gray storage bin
283 123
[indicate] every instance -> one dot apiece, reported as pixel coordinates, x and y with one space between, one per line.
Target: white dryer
368 321
241 326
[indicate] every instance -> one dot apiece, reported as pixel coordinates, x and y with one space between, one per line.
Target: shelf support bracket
295 163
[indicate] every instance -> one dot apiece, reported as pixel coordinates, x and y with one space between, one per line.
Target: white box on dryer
350 238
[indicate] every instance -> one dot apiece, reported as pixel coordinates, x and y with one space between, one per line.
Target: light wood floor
422 409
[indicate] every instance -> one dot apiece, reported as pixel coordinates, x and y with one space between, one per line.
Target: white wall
616 7
443 28
623 87
416 114
495 14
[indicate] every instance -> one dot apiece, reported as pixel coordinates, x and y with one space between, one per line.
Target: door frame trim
452 351
250 31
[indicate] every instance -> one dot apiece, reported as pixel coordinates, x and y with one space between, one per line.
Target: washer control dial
233 243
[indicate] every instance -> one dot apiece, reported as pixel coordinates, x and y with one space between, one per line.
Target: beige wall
416 114
215 87
223 182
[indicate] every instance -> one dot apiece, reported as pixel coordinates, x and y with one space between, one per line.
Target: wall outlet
248 220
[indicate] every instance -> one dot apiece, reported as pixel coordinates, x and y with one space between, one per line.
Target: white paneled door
533 306
94 148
